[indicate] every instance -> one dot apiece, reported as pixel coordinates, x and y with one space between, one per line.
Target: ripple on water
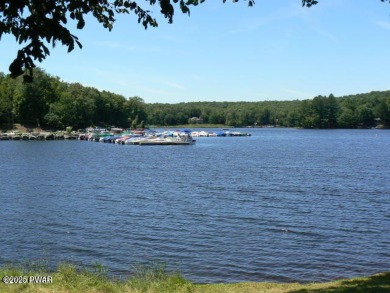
281 205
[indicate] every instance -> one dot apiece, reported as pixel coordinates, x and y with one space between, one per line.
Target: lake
280 205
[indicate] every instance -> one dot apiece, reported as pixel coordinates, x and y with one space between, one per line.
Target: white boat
181 138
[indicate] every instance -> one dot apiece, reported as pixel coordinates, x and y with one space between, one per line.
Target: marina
124 137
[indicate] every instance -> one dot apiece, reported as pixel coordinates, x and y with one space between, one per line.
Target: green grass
67 278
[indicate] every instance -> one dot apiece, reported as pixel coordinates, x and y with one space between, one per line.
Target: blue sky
276 50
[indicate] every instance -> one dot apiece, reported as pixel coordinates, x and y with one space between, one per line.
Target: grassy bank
69 279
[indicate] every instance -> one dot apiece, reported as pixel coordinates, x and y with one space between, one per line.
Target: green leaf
184 7
16 68
70 47
81 23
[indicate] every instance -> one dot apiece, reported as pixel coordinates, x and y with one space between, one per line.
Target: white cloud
382 24
174 85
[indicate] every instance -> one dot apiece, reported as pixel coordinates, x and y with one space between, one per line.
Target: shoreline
68 278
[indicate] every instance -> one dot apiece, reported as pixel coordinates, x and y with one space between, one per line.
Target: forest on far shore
51 103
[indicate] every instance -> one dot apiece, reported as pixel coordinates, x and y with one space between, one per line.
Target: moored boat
177 138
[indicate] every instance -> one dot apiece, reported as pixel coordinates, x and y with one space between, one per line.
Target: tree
74 108
309 113
365 116
383 111
31 101
169 119
37 23
265 118
325 108
135 111
347 118
230 119
332 111
110 110
6 99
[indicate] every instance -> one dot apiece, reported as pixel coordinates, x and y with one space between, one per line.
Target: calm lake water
281 205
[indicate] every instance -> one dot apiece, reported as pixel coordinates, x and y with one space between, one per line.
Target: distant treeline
50 102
